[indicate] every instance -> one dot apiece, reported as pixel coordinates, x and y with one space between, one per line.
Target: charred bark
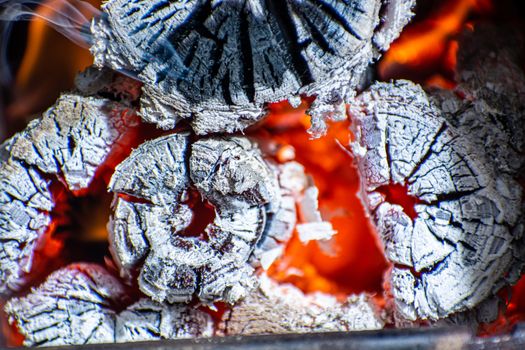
81 304
219 63
490 76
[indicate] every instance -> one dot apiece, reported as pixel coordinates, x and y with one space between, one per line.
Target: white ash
68 143
147 229
150 320
72 138
78 305
312 226
315 231
220 63
25 203
282 221
492 112
465 242
279 309
73 306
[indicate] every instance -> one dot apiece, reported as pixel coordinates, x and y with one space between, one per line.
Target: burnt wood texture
218 63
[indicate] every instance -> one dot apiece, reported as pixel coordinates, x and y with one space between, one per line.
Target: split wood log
68 143
466 240
80 304
219 63
280 309
25 203
151 216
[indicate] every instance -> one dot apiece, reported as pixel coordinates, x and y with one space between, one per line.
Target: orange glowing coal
426 50
356 263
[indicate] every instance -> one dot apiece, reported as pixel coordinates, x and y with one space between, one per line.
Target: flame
48 67
426 50
358 263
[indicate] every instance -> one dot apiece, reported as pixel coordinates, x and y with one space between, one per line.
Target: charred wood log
152 216
68 144
73 138
219 63
81 304
279 309
465 240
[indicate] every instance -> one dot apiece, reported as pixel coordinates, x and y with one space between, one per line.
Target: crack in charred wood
219 64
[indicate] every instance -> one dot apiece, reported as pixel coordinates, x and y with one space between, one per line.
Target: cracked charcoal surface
70 140
25 202
490 76
466 241
150 320
220 62
279 309
79 305
150 215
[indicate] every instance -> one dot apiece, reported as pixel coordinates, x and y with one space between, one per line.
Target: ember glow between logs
426 50
354 263
357 258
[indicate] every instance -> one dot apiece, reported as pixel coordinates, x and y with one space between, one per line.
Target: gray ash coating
220 62
68 143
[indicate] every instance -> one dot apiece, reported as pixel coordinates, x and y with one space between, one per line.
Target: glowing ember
426 50
356 263
351 261
203 214
513 300
398 194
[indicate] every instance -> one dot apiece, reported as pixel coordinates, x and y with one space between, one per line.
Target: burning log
280 309
80 304
218 64
455 235
73 138
69 143
153 224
